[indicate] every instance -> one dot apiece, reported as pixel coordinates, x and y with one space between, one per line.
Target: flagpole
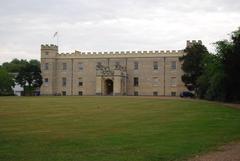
56 35
57 39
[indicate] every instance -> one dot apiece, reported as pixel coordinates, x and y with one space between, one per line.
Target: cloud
108 25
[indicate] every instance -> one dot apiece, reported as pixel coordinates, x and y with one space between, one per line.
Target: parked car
187 94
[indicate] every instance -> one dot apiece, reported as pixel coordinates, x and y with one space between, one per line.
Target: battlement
191 42
49 47
157 53
116 54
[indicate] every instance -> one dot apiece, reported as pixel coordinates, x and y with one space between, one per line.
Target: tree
220 79
29 76
6 83
193 65
229 51
211 82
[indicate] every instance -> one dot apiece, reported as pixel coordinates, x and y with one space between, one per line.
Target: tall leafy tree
6 83
229 51
193 65
220 79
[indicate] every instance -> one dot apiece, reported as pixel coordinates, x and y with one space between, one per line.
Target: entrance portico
110 81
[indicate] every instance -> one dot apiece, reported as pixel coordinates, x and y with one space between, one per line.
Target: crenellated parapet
52 51
49 47
157 53
191 42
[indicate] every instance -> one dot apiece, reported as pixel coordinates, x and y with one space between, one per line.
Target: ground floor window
155 93
46 80
173 93
64 93
64 81
135 93
80 82
80 93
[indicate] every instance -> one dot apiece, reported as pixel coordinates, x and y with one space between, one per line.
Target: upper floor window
46 66
173 65
80 66
155 65
64 66
155 81
135 81
173 81
64 81
135 65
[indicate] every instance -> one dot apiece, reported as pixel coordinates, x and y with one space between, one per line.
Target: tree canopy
14 66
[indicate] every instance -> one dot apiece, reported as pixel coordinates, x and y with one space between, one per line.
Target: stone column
117 83
99 86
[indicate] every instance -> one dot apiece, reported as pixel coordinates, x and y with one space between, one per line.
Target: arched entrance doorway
109 87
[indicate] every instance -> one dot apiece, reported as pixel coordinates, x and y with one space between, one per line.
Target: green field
112 128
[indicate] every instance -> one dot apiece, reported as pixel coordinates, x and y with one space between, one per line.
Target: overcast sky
112 25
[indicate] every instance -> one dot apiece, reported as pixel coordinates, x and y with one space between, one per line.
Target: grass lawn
112 128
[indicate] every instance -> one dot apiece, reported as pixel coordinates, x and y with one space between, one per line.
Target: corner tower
191 43
48 68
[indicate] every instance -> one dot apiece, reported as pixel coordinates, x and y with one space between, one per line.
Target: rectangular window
64 93
64 66
64 81
46 66
46 80
135 82
173 81
155 65
156 81
80 66
173 93
135 93
80 93
80 82
135 65
173 65
155 93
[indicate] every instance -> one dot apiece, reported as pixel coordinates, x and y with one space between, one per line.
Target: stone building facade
146 73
